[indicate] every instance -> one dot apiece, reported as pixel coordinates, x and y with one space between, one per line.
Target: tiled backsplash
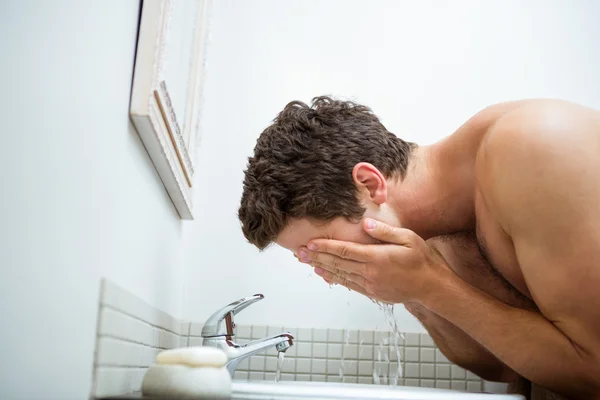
336 355
131 333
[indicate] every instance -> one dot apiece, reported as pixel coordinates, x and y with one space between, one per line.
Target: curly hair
302 165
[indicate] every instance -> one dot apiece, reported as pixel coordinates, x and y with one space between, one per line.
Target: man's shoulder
531 148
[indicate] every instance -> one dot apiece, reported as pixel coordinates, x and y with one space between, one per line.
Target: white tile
302 377
350 367
319 335
319 366
366 380
397 338
259 331
427 355
495 387
381 338
256 376
240 375
411 370
118 325
183 341
196 328
382 368
442 371
334 378
305 335
244 365
166 339
457 372
365 337
289 365
442 384
472 376
318 378
124 301
270 364
411 354
288 377
334 350
333 367
195 341
365 352
257 363
440 357
396 369
458 385
411 382
243 332
412 339
274 330
365 368
114 381
303 365
381 353
429 383
335 336
474 386
184 328
427 371
115 352
350 379
351 336
270 376
303 349
350 351
396 353
426 340
319 350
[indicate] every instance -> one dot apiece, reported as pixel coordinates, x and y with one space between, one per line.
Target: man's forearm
460 348
523 340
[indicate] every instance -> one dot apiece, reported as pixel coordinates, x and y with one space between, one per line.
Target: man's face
300 231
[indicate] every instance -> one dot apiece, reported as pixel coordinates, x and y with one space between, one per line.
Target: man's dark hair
302 165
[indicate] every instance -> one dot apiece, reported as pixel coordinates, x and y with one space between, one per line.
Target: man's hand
403 268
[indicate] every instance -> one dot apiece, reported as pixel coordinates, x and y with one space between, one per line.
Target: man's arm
460 348
539 175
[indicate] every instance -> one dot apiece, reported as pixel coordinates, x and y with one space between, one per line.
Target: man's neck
437 195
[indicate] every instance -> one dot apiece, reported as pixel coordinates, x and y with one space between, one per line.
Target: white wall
80 198
423 66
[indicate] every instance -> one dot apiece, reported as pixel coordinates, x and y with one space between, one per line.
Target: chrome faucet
219 332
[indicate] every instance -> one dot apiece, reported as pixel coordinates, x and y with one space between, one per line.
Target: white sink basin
260 390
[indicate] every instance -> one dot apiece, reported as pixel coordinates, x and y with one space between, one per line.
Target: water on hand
279 365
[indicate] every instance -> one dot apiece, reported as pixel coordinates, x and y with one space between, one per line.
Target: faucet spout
236 352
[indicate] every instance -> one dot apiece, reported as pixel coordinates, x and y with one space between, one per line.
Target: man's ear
370 182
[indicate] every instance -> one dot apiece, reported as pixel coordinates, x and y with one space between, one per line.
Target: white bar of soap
193 357
188 373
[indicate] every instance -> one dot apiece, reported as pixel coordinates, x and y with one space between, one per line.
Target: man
490 237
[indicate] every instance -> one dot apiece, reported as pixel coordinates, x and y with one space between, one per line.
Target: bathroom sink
263 390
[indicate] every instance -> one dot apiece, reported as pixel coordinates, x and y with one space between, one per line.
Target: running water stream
280 358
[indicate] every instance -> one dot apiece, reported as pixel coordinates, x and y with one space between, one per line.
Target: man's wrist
444 283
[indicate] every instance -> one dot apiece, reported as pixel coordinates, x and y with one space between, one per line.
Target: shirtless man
490 237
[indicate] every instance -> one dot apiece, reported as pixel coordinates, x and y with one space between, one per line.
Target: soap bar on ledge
188 373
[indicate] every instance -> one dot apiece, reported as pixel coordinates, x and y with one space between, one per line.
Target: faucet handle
214 324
